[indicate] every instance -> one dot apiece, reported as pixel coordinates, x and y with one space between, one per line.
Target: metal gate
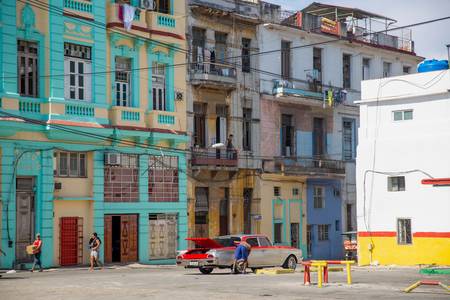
71 241
163 236
25 217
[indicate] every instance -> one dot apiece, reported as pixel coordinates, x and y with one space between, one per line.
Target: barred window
163 179
78 67
323 232
121 183
319 201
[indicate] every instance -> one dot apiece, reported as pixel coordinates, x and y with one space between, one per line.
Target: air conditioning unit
179 96
148 4
112 159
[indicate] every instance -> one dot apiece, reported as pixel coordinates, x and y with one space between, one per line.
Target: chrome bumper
196 263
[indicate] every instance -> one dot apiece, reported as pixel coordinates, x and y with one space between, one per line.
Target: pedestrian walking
95 246
37 250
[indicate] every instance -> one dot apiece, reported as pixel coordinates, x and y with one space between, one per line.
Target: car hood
205 243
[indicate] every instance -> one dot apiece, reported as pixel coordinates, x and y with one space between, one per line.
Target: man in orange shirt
37 252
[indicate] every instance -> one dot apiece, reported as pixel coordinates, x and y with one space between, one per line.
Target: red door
69 241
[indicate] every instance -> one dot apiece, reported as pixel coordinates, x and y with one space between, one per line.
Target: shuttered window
163 178
159 86
78 69
123 81
285 59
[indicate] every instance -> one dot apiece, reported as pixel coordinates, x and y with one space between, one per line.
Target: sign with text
329 26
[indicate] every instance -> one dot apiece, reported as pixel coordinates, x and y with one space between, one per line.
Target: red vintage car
209 254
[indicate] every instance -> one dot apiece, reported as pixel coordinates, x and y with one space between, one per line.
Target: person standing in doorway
95 245
37 246
230 147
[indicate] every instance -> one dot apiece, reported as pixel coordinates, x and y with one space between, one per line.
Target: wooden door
25 218
319 136
107 246
128 238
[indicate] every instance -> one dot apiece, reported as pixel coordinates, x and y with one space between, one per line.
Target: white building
404 138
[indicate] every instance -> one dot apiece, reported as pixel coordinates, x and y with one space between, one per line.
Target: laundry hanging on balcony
128 12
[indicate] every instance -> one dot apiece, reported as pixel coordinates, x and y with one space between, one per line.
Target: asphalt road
137 282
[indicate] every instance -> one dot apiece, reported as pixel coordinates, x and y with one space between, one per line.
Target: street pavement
168 282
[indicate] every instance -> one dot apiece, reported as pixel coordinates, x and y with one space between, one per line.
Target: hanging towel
128 15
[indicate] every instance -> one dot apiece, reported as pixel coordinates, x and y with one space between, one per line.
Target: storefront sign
329 26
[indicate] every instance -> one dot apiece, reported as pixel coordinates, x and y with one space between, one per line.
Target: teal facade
28 146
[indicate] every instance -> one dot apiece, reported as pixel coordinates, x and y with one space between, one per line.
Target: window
406 70
402 115
285 59
123 81
159 86
199 124
264 242
346 71
348 143
386 69
366 68
246 66
276 191
323 232
78 66
163 178
337 225
396 184
295 192
319 201
319 136
70 164
27 56
287 135
220 53
247 129
404 232
198 44
121 182
278 233
317 64
163 6
252 241
349 217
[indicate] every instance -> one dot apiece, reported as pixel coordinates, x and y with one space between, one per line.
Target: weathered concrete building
223 100
309 119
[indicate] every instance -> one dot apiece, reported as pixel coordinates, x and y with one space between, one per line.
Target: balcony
214 158
163 120
343 22
213 75
304 166
82 8
147 23
127 116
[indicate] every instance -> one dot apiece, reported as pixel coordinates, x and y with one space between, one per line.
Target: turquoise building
92 131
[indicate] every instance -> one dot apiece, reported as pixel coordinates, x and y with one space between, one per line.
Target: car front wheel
205 270
290 263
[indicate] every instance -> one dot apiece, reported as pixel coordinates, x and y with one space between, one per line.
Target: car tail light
179 257
210 256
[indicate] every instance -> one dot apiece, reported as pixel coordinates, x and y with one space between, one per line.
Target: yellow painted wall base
386 251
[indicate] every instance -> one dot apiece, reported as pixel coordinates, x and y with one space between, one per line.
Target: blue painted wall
333 248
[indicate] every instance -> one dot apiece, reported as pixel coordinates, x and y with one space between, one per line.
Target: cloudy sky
430 39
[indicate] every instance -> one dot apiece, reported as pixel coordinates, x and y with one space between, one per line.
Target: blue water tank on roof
430 65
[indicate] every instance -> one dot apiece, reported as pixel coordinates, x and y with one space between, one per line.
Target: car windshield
227 241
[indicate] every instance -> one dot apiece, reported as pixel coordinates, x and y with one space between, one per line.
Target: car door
256 257
271 255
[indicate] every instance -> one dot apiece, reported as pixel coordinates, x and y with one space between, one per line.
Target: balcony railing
29 106
80 110
163 119
214 158
304 165
79 5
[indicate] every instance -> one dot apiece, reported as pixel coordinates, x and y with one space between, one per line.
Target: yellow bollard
319 275
349 274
